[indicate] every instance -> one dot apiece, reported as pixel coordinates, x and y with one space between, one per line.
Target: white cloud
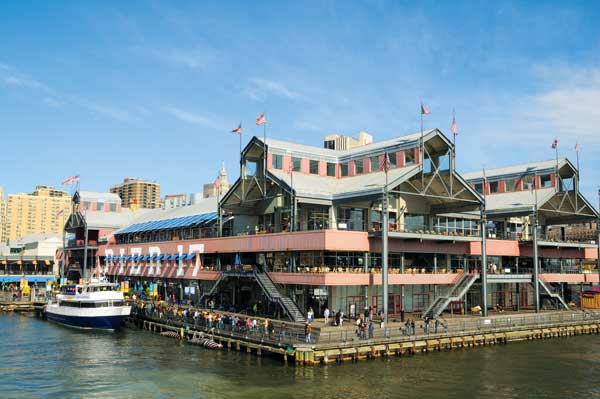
260 88
194 118
9 76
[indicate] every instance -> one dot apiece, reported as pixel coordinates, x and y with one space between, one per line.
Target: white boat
97 304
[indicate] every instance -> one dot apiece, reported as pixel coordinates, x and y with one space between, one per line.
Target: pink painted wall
590 253
496 248
366 165
352 168
269 161
417 155
286 162
400 159
305 166
562 278
322 168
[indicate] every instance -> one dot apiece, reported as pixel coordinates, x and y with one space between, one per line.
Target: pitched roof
98 196
521 169
332 188
205 205
314 151
518 200
111 220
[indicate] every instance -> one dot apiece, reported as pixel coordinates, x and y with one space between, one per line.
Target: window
113 207
478 187
409 156
414 222
351 219
277 161
393 160
314 167
546 181
100 206
330 169
329 144
359 166
250 168
297 164
493 187
344 169
374 164
567 184
510 185
527 182
86 205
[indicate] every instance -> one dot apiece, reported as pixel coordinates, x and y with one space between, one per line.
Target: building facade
43 211
3 215
219 187
304 227
138 193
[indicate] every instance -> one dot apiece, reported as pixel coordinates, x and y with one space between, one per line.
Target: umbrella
237 260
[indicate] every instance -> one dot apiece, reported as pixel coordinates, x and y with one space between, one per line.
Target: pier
331 344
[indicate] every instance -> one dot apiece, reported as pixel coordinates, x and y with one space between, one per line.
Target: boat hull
94 322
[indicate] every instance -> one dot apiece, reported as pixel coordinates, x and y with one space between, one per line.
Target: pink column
322 168
518 184
400 159
269 161
553 180
352 168
305 166
538 182
286 162
417 155
501 186
366 165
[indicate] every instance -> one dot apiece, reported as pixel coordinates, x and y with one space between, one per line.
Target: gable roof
531 168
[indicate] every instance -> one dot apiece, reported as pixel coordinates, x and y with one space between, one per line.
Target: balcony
426 232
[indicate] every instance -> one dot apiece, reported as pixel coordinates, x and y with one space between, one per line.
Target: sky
151 89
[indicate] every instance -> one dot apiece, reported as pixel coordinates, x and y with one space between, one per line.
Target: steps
212 289
546 290
459 289
273 292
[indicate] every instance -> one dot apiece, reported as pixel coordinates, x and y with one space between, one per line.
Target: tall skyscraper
138 193
43 211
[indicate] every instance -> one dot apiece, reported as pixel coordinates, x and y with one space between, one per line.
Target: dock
331 344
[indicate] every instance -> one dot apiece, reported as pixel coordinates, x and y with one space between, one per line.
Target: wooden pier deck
336 345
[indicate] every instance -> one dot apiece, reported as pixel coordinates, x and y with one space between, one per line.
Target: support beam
536 277
484 309
402 286
384 256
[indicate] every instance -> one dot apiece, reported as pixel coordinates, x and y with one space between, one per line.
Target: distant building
219 187
576 232
340 142
138 193
175 200
43 211
33 255
3 206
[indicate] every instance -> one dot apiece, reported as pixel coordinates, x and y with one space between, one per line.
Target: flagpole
265 156
384 246
422 150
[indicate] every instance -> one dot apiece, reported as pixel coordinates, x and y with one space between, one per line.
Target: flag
424 110
576 147
384 163
555 143
237 130
70 180
453 127
261 120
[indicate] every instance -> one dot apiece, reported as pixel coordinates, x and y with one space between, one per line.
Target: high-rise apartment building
43 211
3 206
139 193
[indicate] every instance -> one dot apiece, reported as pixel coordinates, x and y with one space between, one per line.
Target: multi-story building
94 217
32 257
138 193
3 207
219 187
312 232
43 211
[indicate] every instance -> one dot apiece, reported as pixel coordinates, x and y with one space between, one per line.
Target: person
371 330
255 308
413 326
341 318
307 332
367 315
436 325
407 328
326 315
310 315
426 326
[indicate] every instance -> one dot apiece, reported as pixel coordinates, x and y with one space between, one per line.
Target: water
44 360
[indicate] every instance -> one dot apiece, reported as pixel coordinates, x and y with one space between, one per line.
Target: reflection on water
41 359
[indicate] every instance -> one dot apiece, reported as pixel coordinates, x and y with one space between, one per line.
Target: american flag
261 120
237 130
384 163
453 127
70 180
555 143
424 110
576 147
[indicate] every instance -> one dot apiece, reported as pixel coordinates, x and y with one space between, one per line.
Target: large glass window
318 218
297 164
351 219
414 222
393 160
374 164
510 185
344 169
314 167
113 207
277 161
99 206
493 187
546 181
409 156
250 168
359 166
330 169
478 187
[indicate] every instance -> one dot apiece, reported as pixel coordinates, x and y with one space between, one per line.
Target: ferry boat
95 305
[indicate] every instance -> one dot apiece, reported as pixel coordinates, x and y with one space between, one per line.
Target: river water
45 360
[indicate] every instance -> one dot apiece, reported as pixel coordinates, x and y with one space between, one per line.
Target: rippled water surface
44 360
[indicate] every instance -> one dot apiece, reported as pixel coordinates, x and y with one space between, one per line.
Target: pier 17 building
304 226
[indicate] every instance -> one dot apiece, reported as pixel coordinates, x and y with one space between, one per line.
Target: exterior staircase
212 290
289 306
550 293
459 289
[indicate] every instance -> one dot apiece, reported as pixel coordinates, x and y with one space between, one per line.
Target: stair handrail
281 296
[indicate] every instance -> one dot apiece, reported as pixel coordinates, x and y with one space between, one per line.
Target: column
483 262
536 277
402 286
366 270
435 270
384 256
332 218
518 286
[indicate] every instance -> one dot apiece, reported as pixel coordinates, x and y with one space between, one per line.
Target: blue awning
127 258
175 257
31 279
146 257
107 258
190 256
154 257
180 222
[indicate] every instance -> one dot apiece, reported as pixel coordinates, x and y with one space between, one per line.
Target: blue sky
151 89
